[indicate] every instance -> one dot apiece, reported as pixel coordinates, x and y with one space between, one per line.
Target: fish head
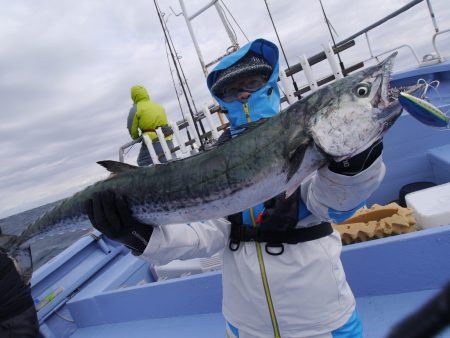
357 111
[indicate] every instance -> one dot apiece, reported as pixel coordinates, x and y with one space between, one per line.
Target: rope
237 24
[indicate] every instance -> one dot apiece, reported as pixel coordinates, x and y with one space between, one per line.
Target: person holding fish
146 115
281 269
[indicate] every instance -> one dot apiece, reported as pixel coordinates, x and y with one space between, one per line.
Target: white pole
308 73
332 61
209 120
192 129
225 24
150 148
286 87
176 133
164 145
194 39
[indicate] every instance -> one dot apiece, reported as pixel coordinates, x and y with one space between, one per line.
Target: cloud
66 69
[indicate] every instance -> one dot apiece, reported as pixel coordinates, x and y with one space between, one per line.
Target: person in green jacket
146 116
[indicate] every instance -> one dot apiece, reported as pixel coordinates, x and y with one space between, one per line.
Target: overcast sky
66 68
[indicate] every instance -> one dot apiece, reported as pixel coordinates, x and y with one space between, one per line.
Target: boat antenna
281 45
178 72
330 26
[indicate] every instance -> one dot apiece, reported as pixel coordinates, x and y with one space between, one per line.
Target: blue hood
263 103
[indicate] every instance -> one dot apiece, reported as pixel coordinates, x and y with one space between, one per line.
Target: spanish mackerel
271 157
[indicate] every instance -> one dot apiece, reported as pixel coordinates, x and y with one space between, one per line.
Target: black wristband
359 162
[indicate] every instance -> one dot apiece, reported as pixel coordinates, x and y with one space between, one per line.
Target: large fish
271 157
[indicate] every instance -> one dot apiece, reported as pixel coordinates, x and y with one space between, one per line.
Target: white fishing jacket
307 285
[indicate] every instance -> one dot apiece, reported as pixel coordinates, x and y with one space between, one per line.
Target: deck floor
378 313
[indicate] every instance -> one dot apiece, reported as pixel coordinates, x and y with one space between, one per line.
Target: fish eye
362 90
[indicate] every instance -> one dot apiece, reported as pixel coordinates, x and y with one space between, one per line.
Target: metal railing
441 59
180 145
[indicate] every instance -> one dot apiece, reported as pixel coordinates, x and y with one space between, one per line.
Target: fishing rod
174 84
341 64
178 73
184 79
281 46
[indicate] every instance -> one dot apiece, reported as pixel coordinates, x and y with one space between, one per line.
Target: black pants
144 158
24 325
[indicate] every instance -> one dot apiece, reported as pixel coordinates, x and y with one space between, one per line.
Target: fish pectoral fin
116 167
295 160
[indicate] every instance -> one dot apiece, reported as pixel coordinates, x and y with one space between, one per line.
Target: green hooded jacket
145 114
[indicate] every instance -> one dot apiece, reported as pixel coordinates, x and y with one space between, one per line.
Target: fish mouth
393 108
387 95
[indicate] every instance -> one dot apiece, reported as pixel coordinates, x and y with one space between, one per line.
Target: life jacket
275 225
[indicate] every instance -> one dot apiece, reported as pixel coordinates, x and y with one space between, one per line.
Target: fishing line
281 46
228 21
235 21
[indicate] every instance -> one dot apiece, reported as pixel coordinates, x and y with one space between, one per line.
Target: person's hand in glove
111 215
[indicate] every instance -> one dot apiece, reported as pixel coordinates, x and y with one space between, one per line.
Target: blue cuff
340 216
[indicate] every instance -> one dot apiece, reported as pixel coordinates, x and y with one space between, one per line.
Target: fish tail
21 255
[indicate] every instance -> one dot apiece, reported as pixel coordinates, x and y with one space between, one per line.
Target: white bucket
431 206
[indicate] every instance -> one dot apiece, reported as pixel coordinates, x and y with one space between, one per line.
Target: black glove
281 213
167 130
111 215
359 162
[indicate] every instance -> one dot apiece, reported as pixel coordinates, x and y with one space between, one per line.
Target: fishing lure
423 111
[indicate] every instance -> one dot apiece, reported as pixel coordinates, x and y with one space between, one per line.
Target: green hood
139 93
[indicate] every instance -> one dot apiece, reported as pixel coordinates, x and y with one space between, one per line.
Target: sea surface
48 247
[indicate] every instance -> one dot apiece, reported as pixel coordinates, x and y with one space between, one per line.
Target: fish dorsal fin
117 167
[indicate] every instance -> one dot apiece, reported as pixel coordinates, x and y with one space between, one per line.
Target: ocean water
48 247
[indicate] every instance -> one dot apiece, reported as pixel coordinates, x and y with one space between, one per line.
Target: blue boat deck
390 278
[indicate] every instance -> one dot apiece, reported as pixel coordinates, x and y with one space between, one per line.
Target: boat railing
436 58
182 145
392 50
441 59
350 41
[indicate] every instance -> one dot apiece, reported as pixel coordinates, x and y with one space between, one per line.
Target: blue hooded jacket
263 103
